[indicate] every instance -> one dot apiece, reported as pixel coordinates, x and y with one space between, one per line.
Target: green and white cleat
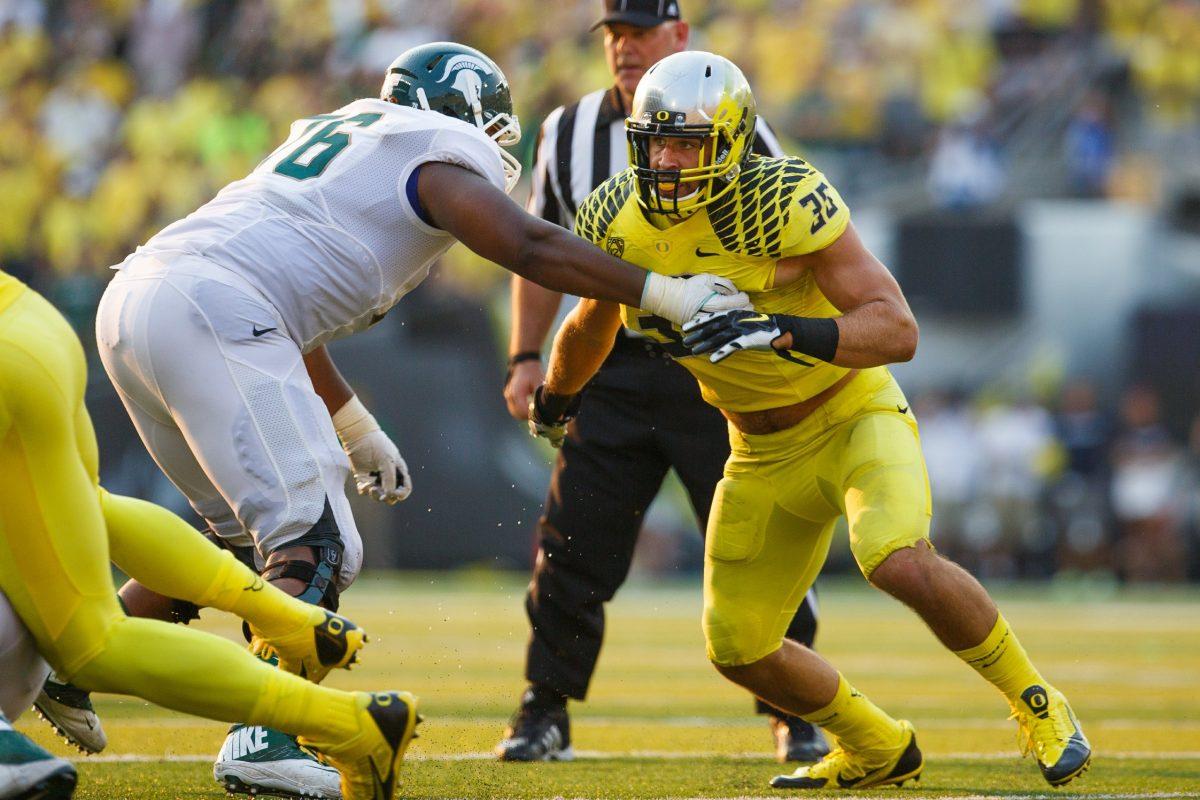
27 772
261 761
69 711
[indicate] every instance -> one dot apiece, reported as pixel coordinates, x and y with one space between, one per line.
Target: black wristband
524 355
813 336
551 407
518 358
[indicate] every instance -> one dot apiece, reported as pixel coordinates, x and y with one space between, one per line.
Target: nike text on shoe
370 760
844 769
28 771
537 733
797 740
69 711
261 761
330 642
1047 727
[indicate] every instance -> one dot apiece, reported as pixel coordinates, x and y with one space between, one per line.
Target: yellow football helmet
692 94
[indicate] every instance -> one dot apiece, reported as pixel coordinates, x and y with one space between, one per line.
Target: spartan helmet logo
466 70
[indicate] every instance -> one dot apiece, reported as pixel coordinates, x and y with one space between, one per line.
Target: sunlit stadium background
1029 169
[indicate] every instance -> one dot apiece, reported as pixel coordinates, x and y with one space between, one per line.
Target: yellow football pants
774 512
54 553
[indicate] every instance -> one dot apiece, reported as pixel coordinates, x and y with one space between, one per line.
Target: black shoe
539 731
797 740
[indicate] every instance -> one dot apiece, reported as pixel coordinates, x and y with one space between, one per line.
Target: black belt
627 344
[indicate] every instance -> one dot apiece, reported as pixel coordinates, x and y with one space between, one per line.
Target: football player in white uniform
214 330
26 770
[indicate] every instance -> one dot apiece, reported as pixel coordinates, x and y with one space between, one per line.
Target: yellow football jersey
780 207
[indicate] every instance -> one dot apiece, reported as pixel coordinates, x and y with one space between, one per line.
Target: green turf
660 723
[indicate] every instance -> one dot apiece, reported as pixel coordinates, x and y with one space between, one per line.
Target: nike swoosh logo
849 784
902 409
260 331
703 254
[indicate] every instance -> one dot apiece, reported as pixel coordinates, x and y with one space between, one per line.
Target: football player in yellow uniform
58 530
819 429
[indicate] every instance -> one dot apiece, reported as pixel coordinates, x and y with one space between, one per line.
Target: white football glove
379 470
680 299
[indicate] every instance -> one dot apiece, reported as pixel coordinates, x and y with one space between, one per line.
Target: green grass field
660 723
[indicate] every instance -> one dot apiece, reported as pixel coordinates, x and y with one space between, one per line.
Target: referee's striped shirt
582 145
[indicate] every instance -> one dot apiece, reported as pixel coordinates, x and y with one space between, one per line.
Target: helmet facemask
721 155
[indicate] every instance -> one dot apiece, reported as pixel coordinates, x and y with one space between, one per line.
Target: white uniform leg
23 668
222 400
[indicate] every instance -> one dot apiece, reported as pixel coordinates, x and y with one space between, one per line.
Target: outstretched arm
486 220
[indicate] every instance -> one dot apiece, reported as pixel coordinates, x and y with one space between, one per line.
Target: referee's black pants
642 415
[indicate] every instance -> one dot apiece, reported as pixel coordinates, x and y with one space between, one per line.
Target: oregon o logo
335 625
383 698
663 115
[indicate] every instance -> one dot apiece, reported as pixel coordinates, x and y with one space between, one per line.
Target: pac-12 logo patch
615 246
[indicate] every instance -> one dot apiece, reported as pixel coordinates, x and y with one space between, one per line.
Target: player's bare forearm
581 345
488 222
327 380
533 310
876 327
875 333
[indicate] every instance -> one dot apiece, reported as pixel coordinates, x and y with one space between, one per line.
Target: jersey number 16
314 154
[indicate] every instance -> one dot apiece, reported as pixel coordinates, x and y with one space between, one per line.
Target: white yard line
647 755
935 723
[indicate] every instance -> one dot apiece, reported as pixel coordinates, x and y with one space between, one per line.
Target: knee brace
321 588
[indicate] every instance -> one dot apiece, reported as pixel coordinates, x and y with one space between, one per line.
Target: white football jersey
325 227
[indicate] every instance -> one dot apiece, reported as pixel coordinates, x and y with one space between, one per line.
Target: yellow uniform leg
54 553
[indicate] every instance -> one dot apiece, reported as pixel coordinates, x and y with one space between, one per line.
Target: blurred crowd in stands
1023 488
119 116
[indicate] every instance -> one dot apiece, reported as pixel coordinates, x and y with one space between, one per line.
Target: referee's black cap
642 13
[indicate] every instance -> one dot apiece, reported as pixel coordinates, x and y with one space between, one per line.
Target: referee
641 416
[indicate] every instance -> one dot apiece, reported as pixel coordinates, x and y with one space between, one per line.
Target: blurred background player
58 529
644 417
819 428
214 330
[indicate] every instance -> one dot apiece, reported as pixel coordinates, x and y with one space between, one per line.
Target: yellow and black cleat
844 769
1048 729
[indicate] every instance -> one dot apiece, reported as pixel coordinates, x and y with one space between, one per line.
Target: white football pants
220 396
23 669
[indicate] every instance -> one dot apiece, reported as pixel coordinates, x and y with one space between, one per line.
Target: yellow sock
292 704
1002 662
858 723
198 673
168 556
